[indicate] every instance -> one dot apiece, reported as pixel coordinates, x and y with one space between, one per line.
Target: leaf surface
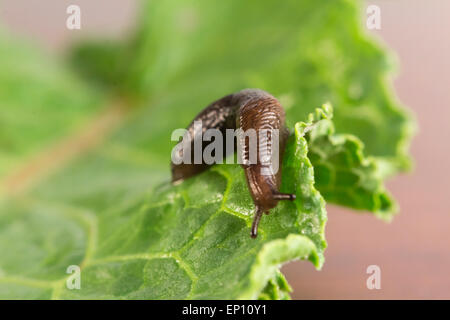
178 242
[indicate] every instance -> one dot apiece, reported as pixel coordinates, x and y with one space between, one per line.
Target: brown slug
246 110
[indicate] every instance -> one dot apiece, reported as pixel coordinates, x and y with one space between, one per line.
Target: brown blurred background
413 251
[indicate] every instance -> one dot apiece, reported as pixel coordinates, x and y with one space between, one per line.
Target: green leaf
189 241
344 175
111 209
40 101
99 63
276 289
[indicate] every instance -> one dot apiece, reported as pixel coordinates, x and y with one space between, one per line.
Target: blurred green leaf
301 51
41 100
99 63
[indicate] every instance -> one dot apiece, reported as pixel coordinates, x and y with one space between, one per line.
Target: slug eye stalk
277 196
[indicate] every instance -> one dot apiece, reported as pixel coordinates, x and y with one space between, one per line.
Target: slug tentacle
255 224
257 115
284 196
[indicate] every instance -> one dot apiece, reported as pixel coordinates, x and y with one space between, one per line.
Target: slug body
249 110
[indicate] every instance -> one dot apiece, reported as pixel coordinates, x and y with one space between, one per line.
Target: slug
246 110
